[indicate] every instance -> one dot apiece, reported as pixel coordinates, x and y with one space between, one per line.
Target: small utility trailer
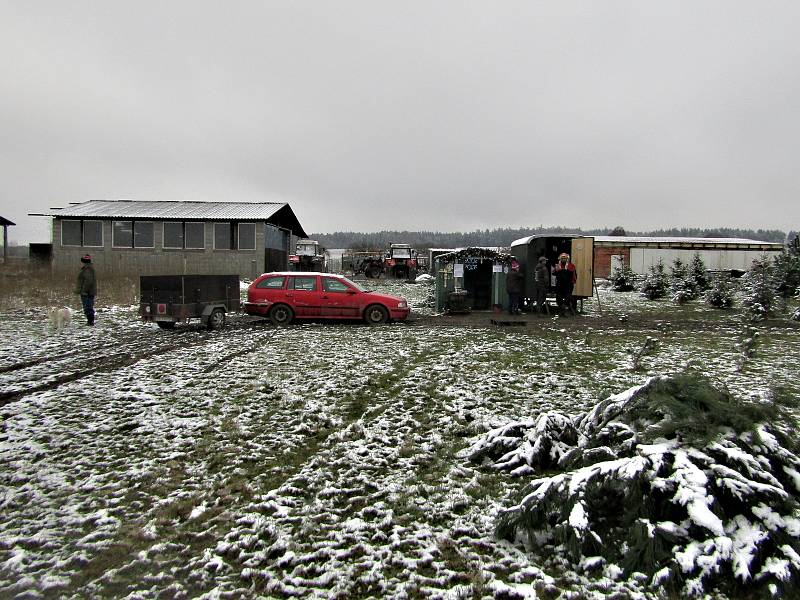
169 299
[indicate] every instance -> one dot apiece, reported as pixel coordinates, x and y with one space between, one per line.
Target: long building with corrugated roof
174 237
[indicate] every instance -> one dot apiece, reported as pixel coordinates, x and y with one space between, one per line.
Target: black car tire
376 314
281 314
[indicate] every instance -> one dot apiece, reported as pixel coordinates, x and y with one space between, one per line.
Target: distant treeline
504 236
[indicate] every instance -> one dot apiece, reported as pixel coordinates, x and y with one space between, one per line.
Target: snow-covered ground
318 460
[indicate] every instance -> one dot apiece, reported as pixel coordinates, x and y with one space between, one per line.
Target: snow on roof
526 240
623 240
171 209
309 273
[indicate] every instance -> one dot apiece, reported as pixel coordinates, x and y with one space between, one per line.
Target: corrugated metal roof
171 209
626 240
677 241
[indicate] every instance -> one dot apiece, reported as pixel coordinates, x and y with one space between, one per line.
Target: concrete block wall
109 261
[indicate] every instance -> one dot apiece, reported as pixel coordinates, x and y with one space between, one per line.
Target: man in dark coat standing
86 286
566 276
514 290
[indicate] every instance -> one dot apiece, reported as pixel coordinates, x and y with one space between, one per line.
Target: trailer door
583 258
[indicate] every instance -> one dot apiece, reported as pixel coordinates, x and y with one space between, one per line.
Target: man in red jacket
566 276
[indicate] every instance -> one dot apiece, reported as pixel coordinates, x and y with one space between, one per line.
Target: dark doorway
478 282
275 260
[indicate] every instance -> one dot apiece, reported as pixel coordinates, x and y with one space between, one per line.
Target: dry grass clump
36 287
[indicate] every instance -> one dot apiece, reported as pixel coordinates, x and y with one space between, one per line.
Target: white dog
60 317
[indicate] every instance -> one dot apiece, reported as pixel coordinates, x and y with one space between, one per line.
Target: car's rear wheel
216 320
376 314
281 314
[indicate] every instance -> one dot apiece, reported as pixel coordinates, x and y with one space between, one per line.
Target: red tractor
401 261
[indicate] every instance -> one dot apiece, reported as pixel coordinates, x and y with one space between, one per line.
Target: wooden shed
5 223
478 273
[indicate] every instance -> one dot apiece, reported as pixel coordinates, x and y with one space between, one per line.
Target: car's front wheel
281 314
376 314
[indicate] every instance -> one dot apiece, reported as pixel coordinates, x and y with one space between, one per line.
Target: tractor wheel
281 314
401 272
166 324
216 320
376 314
372 272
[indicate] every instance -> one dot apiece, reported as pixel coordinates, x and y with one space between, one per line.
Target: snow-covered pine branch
675 479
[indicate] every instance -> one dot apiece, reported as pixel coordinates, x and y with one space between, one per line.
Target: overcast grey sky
449 115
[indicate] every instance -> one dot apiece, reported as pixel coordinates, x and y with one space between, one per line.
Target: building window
275 238
143 234
122 234
93 233
180 235
247 236
132 234
71 233
195 236
223 236
82 233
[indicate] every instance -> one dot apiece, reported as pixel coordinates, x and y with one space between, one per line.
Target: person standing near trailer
514 282
566 276
541 285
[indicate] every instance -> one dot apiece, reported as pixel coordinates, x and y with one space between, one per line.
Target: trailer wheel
166 324
376 314
281 314
216 320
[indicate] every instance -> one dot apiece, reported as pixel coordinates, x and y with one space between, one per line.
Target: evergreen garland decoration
675 479
474 252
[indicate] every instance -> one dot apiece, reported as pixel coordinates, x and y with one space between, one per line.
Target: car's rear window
308 284
271 283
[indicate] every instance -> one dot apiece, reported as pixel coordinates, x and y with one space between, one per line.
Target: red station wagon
286 296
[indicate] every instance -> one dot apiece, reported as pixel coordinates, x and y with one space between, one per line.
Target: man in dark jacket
86 286
566 276
541 285
514 290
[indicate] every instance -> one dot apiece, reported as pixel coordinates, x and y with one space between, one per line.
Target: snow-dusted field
316 460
